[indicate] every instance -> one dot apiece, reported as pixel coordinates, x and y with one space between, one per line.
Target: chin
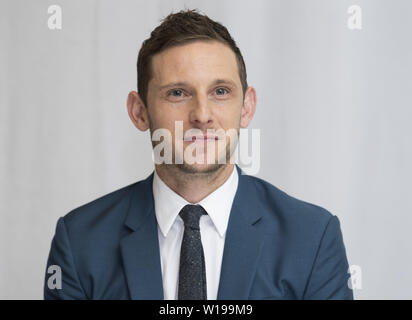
199 168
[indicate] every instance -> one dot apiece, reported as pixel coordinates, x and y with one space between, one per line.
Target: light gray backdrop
334 110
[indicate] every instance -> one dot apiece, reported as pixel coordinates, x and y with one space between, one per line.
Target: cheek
162 117
173 123
229 118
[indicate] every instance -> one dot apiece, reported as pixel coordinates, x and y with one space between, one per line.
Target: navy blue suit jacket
276 247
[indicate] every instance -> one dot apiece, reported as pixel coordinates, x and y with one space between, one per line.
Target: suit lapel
140 248
243 243
141 254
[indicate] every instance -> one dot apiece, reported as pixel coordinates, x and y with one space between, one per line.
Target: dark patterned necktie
192 270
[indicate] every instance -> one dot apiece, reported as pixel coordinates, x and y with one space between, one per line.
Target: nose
201 114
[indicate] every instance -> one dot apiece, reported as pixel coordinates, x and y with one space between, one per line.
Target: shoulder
106 213
291 212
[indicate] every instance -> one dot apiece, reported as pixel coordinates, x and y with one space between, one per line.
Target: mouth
204 138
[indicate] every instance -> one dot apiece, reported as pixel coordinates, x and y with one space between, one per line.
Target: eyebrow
185 84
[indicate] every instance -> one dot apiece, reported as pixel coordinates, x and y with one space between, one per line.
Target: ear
137 111
248 108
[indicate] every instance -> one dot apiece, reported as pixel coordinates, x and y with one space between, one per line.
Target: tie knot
191 214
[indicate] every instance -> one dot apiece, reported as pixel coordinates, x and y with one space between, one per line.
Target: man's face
198 84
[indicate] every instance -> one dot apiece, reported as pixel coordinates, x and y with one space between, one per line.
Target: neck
193 187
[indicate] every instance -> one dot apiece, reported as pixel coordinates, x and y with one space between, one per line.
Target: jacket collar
243 244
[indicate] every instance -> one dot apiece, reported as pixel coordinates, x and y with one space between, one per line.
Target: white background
334 110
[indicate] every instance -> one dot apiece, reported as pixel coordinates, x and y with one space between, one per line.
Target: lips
201 138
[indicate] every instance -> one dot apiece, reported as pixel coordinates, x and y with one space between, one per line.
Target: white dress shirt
212 231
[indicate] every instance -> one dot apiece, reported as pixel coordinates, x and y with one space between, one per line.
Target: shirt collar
218 204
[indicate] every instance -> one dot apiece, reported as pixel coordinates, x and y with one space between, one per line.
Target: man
202 229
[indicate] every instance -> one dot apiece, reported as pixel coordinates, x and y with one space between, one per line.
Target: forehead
196 62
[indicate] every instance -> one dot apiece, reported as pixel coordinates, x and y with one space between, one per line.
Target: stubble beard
191 169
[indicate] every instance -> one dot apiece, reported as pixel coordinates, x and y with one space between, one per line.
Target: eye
175 93
221 91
